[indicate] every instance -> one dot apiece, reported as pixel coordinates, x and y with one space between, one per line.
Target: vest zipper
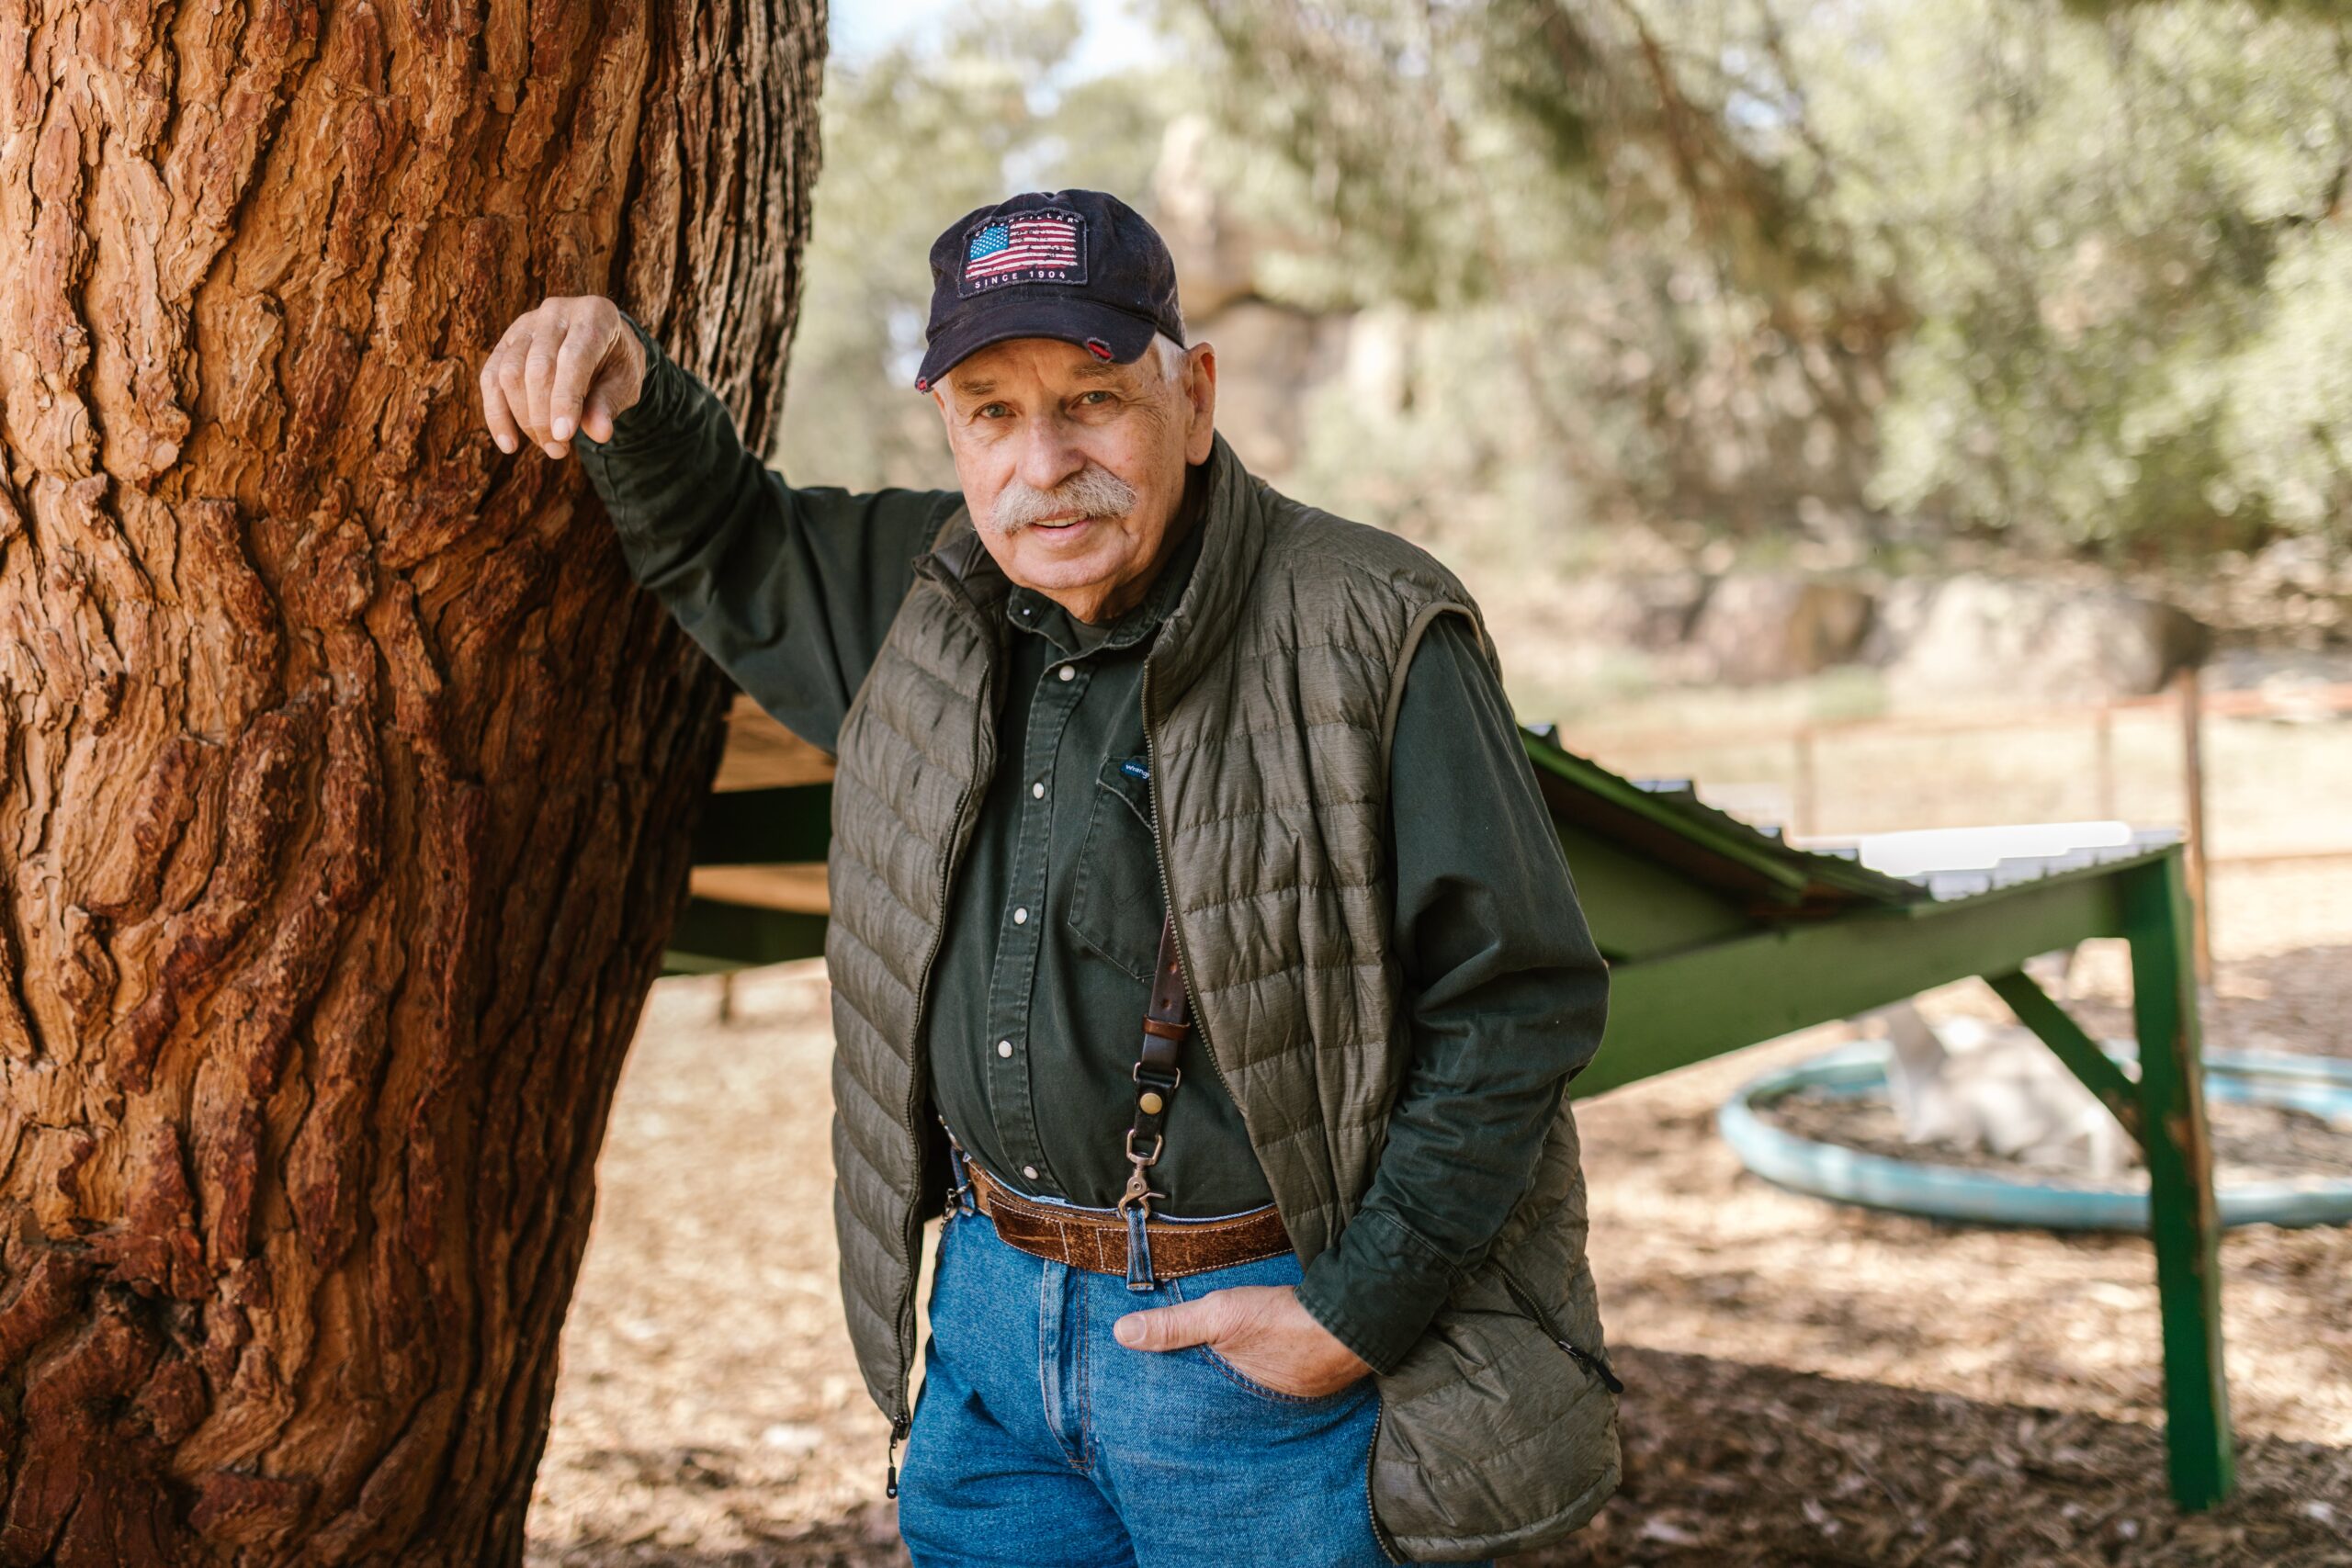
1583 1357
902 1421
1380 1536
1168 894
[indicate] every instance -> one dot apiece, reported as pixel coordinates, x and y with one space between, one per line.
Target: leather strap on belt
1166 1021
1096 1240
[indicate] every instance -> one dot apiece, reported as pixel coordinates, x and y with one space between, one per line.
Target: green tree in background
2118 234
1849 279
2072 276
1639 308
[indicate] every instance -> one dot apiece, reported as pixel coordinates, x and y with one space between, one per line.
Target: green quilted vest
1269 699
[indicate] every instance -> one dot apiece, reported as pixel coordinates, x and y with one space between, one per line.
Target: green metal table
1720 935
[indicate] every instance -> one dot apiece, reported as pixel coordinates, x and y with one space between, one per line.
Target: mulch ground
1807 1384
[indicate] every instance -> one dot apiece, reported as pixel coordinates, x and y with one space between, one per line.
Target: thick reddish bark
342 775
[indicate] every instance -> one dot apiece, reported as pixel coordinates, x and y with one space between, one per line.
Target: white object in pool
1996 1088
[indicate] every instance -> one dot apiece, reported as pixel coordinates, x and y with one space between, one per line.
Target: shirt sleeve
1505 995
789 589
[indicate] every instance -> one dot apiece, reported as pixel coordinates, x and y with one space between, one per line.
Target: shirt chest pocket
1116 905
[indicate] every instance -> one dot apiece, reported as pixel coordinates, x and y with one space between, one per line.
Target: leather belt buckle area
1096 1240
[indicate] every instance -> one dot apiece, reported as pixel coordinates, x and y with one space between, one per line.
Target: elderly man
1197 930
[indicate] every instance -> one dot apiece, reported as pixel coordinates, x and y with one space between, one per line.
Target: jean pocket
1283 1269
1250 1386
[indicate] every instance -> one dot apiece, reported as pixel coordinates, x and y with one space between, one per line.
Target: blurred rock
1216 256
1269 357
1756 627
1652 611
1379 360
1977 637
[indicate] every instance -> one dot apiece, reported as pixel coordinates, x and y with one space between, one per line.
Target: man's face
1074 466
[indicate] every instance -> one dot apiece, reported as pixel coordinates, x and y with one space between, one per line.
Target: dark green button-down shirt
1054 922
1038 993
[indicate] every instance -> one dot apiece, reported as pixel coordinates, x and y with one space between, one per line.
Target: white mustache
1093 491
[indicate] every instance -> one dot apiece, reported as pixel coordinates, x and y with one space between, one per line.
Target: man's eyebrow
979 387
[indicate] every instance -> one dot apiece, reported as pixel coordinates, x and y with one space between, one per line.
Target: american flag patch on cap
1030 247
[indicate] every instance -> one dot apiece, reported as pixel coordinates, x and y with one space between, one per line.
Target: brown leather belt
1096 1240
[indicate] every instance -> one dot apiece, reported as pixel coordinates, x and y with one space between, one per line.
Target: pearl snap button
1069 672
1020 916
1004 1047
1037 792
1030 1172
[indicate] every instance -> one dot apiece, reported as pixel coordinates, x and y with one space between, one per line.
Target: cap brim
1083 322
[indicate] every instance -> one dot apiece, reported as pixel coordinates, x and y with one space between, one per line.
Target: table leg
2182 1219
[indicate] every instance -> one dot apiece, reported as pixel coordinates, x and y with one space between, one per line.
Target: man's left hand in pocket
1259 1330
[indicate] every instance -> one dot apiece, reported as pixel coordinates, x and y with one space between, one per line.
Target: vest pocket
1596 1365
1115 905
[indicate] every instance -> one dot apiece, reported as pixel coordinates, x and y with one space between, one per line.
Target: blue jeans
1040 1441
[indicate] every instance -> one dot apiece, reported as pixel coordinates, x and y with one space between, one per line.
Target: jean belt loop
1139 1277
960 1194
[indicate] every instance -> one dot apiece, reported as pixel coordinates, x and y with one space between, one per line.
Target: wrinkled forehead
1035 363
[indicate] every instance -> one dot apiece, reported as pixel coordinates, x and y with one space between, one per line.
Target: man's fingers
1169 1327
539 384
494 412
564 367
517 396
575 366
597 418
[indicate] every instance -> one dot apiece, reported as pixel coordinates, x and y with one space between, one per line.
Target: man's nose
1048 456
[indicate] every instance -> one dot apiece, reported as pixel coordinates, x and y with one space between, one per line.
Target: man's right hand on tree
571 365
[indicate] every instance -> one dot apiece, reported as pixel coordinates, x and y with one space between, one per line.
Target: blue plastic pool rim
2319 1085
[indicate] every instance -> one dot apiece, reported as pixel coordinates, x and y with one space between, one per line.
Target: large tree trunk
342 775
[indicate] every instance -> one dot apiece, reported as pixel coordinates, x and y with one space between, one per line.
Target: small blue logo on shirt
1136 768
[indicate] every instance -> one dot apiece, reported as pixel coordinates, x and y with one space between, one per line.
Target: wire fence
2253 777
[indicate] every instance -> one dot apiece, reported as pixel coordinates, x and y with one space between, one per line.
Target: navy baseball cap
1079 266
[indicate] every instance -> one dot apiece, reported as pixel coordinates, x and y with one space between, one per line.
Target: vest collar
1233 539
959 563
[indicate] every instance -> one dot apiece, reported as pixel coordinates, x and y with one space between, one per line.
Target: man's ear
1200 397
